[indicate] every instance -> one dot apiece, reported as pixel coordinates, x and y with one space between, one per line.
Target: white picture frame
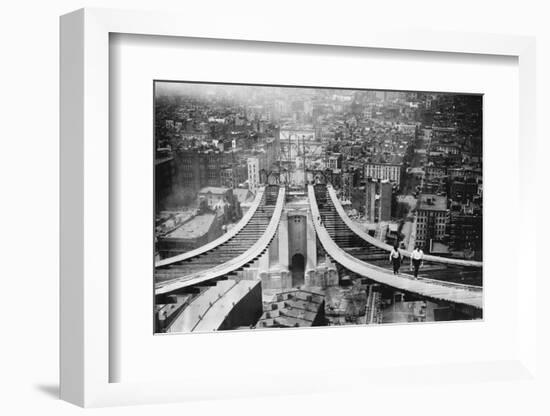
85 266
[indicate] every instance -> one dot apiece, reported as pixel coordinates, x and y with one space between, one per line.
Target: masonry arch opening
297 268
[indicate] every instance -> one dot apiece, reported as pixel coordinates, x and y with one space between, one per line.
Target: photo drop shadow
51 390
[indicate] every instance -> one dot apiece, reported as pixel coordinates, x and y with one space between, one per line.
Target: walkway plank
463 294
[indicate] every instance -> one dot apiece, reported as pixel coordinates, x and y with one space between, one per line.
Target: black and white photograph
293 207
305 207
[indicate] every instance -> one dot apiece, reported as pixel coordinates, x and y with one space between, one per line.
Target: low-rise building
334 161
216 196
197 231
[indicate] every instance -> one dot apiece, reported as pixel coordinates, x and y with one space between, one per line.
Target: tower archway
297 269
297 247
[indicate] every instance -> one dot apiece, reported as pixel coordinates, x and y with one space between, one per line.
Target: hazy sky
231 90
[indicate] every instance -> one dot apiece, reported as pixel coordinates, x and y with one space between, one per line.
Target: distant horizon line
164 82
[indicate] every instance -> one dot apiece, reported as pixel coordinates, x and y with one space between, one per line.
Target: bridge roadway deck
223 269
208 311
456 293
222 307
218 241
371 240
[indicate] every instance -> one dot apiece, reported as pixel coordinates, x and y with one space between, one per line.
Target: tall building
465 233
385 171
255 165
378 200
271 147
432 218
164 172
198 168
232 176
463 191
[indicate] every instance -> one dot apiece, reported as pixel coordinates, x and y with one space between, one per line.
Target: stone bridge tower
291 259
